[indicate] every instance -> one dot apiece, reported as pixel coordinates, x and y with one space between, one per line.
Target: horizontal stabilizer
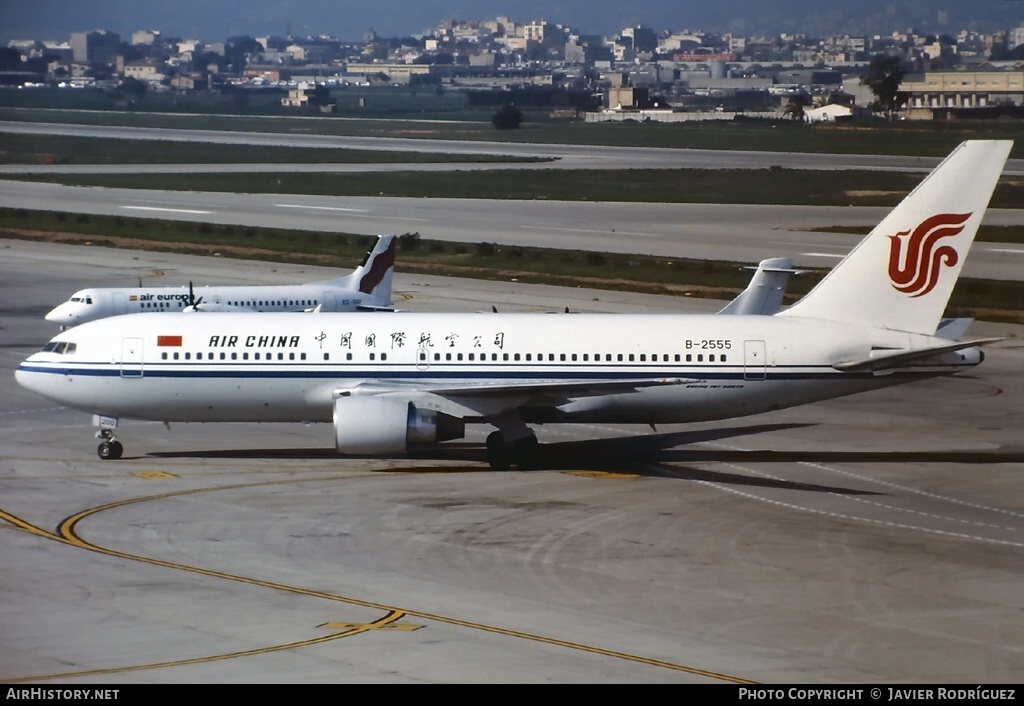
953 329
891 359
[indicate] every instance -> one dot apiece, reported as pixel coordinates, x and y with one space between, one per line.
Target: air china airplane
367 288
389 384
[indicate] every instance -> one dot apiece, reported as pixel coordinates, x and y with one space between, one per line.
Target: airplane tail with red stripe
901 276
374 274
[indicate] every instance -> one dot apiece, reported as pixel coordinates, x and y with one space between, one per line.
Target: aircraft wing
889 360
492 398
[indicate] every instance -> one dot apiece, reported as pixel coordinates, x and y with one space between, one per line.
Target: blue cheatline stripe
437 372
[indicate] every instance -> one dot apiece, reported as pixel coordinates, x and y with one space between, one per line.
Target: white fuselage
291 367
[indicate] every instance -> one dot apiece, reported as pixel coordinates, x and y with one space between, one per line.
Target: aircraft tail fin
375 273
902 274
764 294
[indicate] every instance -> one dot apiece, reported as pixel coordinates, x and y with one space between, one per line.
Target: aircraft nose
24 377
61 315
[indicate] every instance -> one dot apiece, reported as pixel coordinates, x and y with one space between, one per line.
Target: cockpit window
60 347
82 300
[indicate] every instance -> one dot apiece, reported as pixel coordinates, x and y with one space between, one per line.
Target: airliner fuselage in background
389 384
367 288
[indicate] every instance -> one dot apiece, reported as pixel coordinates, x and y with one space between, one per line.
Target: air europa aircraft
367 288
388 384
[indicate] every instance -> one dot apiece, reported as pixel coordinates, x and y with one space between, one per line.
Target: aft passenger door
131 358
754 360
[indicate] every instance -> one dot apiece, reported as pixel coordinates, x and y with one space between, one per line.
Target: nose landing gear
110 449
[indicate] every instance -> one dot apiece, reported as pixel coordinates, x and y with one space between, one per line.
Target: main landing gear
523 452
110 449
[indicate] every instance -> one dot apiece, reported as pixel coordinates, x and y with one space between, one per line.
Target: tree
132 86
797 106
238 49
883 77
508 117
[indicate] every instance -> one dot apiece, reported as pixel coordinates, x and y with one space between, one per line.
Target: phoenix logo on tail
916 272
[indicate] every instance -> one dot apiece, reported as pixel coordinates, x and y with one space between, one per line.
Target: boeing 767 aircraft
367 288
388 384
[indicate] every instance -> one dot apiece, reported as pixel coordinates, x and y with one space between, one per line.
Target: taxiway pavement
873 539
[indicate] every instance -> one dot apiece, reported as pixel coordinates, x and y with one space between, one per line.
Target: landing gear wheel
522 452
498 456
110 449
525 451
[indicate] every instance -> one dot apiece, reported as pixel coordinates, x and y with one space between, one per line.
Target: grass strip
991 300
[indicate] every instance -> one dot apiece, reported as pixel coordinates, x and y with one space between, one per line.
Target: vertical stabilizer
901 275
767 288
374 275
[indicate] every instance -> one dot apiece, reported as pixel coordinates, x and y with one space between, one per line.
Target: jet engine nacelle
374 425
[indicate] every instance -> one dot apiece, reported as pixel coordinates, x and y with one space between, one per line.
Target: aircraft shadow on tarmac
648 455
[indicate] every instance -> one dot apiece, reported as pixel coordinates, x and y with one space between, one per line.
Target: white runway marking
588 231
169 210
822 254
319 208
